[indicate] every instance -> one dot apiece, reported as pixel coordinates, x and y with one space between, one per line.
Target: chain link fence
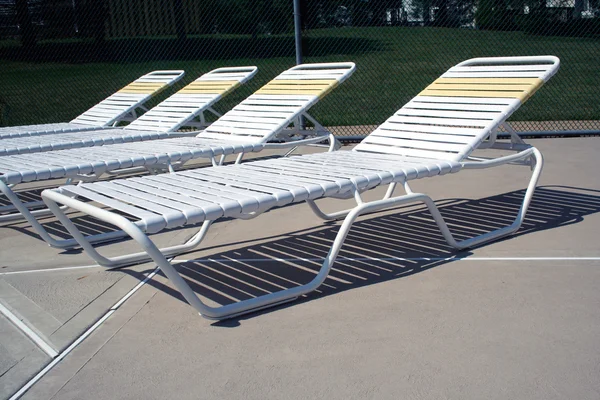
59 57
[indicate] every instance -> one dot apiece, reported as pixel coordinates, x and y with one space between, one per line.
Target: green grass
393 65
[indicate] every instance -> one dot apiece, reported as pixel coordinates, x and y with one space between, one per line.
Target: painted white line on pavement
29 271
231 260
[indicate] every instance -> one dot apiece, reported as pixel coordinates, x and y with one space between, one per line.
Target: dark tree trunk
25 25
179 19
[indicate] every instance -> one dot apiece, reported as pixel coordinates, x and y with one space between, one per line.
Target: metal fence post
298 40
298 31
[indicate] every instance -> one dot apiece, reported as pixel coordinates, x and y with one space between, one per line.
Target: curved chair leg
337 215
16 216
151 251
51 199
17 205
537 165
334 144
30 216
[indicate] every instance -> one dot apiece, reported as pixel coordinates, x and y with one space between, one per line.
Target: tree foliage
253 17
499 15
99 19
328 13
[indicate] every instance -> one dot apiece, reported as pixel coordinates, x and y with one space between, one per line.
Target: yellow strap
502 81
457 93
210 87
294 87
512 88
315 87
143 87
302 81
500 88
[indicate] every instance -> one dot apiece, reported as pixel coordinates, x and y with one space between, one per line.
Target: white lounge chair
432 135
264 116
162 121
120 106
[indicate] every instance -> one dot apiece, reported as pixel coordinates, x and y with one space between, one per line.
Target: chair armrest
494 162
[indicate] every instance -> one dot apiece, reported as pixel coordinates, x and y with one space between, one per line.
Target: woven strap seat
190 197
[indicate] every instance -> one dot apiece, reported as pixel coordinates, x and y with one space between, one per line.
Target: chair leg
327 216
507 230
437 216
334 144
51 199
271 299
341 214
152 252
16 216
31 217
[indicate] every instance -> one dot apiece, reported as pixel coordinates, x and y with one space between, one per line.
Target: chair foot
250 310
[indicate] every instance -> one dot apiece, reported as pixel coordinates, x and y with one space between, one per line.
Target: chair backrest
273 107
115 107
193 99
453 115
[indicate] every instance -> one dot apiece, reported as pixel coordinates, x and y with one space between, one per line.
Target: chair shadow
377 249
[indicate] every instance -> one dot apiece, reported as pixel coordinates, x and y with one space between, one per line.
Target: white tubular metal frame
531 157
24 212
159 256
98 115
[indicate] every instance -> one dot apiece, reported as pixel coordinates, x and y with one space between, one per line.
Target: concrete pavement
518 318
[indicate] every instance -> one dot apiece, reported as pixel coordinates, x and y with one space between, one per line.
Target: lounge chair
120 106
432 135
162 121
264 116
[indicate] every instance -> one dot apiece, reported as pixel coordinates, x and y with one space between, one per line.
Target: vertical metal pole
298 31
298 39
